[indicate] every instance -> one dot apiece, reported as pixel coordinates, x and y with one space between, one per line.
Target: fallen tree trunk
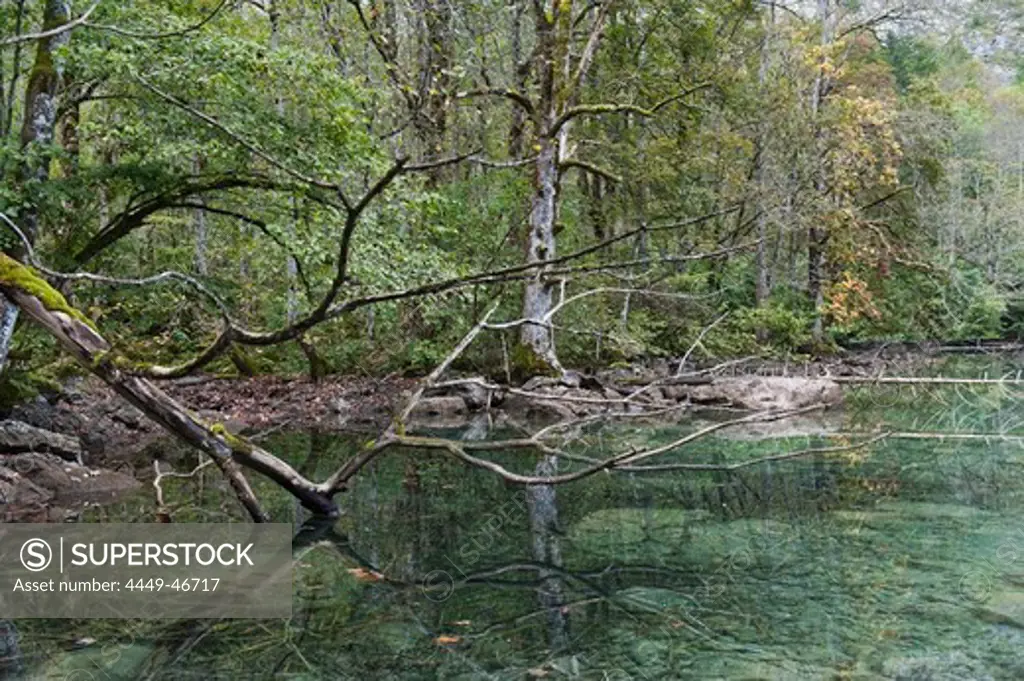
76 335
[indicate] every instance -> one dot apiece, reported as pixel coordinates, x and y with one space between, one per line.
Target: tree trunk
517 131
762 288
817 236
436 56
38 131
199 221
41 103
536 336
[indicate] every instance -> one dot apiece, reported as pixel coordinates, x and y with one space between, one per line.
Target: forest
535 241
345 187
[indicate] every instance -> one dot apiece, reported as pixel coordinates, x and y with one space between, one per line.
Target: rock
46 471
129 416
523 408
17 437
675 392
473 394
572 379
538 382
16 490
656 394
611 394
41 477
341 406
761 393
584 402
440 407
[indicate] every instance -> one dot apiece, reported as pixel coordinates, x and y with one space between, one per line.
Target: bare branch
79 339
596 109
327 310
170 275
590 168
590 49
705 331
459 450
439 370
512 95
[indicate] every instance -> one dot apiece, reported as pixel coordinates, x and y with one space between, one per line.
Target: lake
900 560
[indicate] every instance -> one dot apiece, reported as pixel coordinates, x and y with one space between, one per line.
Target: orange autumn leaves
849 299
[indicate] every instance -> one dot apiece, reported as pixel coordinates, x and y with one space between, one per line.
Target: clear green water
902 561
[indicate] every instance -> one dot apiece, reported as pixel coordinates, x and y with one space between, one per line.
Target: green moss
16 275
237 444
526 363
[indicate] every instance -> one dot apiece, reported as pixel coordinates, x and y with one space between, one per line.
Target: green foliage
217 129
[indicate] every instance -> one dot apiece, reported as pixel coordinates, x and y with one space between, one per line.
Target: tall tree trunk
199 222
763 288
817 236
436 57
536 336
517 131
553 35
37 131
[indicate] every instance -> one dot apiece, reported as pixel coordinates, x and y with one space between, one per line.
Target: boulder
16 490
677 393
444 407
763 393
538 382
40 477
17 437
524 408
473 394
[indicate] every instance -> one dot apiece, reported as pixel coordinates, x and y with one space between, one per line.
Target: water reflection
887 563
546 546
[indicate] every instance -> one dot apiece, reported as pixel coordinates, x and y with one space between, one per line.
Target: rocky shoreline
87 441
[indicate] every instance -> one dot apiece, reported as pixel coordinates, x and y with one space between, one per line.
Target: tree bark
763 285
436 57
554 29
537 337
38 131
817 236
199 221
